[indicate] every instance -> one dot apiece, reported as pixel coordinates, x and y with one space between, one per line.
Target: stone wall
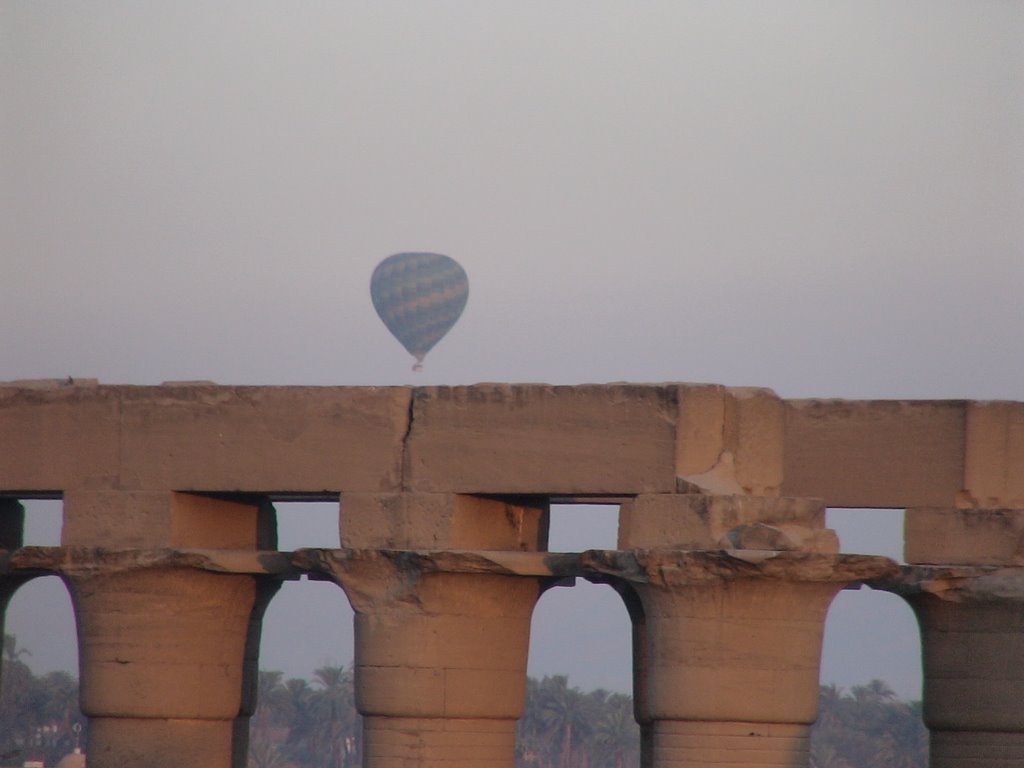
724 560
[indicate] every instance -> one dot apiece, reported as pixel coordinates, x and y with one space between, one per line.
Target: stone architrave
169 488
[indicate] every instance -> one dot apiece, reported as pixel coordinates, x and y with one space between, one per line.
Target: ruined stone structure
723 560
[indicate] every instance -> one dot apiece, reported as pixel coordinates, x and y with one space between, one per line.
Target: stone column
440 654
162 637
973 661
731 630
161 655
967 590
441 637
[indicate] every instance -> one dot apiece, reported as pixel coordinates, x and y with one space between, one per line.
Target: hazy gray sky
824 198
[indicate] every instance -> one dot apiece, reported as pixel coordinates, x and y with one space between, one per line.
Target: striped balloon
419 296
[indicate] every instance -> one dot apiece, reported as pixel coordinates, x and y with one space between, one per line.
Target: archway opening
305 707
40 719
870 698
579 707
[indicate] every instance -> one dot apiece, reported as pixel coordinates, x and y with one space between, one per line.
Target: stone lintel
543 439
730 440
588 440
952 536
875 453
994 455
58 437
263 439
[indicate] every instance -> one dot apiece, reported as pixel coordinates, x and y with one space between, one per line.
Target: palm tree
530 740
616 733
302 730
334 709
875 691
271 699
824 755
264 753
563 712
904 739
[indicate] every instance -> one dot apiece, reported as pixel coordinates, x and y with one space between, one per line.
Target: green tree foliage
564 727
868 728
299 724
314 724
38 715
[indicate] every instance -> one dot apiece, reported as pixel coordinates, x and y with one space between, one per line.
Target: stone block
159 743
152 519
735 652
57 438
540 439
439 644
971 651
730 441
732 744
436 692
700 437
447 641
263 439
441 521
949 536
994 455
162 643
754 425
694 521
400 691
875 453
401 742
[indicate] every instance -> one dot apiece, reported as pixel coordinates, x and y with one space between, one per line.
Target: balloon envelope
419 296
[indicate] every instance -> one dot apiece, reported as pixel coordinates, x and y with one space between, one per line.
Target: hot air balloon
419 296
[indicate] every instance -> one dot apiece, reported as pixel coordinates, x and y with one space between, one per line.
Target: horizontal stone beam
615 440
875 453
539 439
637 566
202 438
